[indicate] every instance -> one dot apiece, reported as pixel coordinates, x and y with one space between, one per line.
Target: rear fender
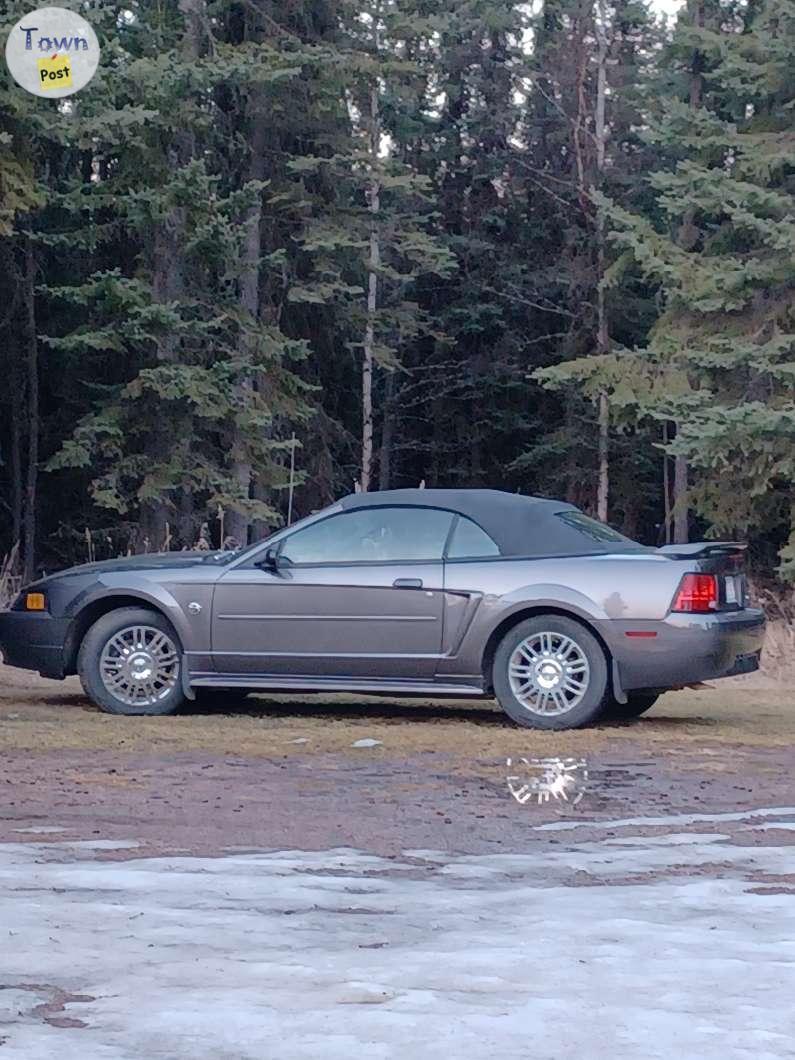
556 597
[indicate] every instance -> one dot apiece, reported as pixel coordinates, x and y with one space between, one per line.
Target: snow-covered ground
626 947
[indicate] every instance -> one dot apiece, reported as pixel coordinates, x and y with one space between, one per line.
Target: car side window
470 542
374 535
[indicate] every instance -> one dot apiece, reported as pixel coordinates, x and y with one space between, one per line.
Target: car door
358 594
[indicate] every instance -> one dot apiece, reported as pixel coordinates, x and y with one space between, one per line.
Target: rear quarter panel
599 589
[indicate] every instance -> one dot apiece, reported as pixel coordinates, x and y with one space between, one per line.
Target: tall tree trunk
666 487
681 528
603 485
373 265
17 391
168 285
387 434
186 529
237 524
151 527
16 388
32 410
573 471
602 336
441 426
680 498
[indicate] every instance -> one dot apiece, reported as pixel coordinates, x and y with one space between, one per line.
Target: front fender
154 596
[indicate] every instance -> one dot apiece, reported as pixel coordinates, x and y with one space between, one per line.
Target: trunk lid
724 559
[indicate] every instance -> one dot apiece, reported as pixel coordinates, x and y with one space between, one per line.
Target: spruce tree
716 245
370 241
585 111
193 374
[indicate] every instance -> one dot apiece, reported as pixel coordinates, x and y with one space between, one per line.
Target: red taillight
697 592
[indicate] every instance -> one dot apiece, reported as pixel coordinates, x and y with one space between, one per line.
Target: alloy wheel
549 673
139 665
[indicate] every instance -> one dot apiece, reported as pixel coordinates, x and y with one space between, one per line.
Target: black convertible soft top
520 525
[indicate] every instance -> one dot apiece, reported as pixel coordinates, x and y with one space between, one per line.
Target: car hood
148 561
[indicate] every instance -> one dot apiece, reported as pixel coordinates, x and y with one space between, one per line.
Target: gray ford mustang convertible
407 592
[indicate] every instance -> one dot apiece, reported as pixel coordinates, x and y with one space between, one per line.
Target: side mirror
271 561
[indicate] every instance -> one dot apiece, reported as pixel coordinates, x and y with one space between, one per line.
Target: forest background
544 247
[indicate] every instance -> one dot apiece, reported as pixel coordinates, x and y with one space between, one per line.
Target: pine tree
370 226
193 372
716 244
458 404
590 58
371 242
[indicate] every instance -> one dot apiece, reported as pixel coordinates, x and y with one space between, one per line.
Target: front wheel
129 663
550 672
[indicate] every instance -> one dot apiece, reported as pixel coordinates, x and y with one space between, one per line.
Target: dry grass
778 657
38 715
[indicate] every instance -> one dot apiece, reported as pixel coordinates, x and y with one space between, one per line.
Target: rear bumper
685 649
34 641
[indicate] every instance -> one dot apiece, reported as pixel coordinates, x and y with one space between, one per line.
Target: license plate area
734 592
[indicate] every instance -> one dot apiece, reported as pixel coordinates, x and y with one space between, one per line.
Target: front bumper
686 649
34 641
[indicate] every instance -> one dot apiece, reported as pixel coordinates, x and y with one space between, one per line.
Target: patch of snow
367 742
41 830
663 821
336 954
675 839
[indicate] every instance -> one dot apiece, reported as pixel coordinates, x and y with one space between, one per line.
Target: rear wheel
129 663
550 672
637 703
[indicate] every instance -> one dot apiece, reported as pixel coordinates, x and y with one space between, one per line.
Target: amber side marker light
35 602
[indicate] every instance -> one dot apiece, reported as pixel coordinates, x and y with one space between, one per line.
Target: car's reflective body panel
406 625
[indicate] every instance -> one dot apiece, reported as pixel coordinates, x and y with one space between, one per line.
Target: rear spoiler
703 549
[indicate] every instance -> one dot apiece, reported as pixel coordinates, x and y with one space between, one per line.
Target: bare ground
281 772
270 938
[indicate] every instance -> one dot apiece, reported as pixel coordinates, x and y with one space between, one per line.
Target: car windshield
224 556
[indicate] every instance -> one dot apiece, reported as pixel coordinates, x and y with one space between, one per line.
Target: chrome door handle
407 583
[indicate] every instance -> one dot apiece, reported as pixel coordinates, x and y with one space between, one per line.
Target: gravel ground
283 772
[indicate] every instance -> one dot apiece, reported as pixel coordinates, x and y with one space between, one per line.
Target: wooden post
292 483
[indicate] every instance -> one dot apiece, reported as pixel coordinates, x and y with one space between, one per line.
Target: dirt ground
282 772
250 883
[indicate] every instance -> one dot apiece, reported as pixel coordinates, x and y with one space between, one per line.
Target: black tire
591 701
637 703
169 695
